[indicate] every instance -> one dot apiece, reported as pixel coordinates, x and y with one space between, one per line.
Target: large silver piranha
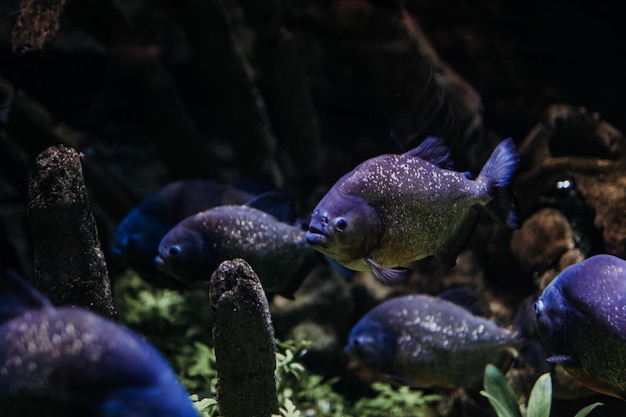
394 209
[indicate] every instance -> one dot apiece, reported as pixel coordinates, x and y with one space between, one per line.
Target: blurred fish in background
68 361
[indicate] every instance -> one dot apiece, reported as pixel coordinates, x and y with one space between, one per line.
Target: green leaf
540 398
583 412
499 393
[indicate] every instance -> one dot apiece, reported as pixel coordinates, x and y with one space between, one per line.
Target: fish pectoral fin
387 276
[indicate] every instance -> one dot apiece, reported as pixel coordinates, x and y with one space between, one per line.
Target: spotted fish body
581 319
69 361
393 210
138 235
277 251
426 341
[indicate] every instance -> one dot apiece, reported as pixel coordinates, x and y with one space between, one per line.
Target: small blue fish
581 319
70 362
273 246
138 235
392 210
426 341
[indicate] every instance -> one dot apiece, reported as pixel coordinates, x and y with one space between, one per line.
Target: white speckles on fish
277 251
69 361
426 341
581 318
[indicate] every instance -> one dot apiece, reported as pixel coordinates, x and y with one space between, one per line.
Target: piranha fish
68 361
426 341
392 210
581 320
273 246
138 235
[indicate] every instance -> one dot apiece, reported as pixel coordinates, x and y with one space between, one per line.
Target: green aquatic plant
179 325
393 401
502 397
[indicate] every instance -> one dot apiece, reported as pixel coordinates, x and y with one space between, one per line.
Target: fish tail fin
498 173
17 296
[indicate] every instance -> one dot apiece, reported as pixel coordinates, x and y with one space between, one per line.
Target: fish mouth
316 236
160 264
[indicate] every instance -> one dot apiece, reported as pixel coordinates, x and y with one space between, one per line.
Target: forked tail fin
498 173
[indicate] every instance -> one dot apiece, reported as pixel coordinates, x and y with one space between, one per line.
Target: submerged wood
244 342
69 264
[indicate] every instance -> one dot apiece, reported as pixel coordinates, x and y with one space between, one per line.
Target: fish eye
174 250
341 224
538 307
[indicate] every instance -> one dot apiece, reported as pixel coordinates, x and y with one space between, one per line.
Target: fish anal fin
387 276
434 150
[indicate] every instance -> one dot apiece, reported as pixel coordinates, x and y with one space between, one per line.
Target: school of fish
383 217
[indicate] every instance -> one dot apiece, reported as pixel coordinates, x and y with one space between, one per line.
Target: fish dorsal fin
387 276
277 203
17 296
434 150
465 297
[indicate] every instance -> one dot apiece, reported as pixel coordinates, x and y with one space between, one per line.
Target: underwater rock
574 162
69 264
37 25
571 131
541 240
244 342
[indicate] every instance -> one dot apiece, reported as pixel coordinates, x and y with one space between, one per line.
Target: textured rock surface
244 342
69 265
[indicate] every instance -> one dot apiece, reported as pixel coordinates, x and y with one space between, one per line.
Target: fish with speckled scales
68 361
393 210
272 244
426 341
138 235
581 320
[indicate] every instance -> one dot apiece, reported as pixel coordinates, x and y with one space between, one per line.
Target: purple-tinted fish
393 210
426 341
138 235
581 319
70 362
275 249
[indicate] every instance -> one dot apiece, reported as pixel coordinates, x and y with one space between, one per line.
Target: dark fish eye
341 225
538 307
174 250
